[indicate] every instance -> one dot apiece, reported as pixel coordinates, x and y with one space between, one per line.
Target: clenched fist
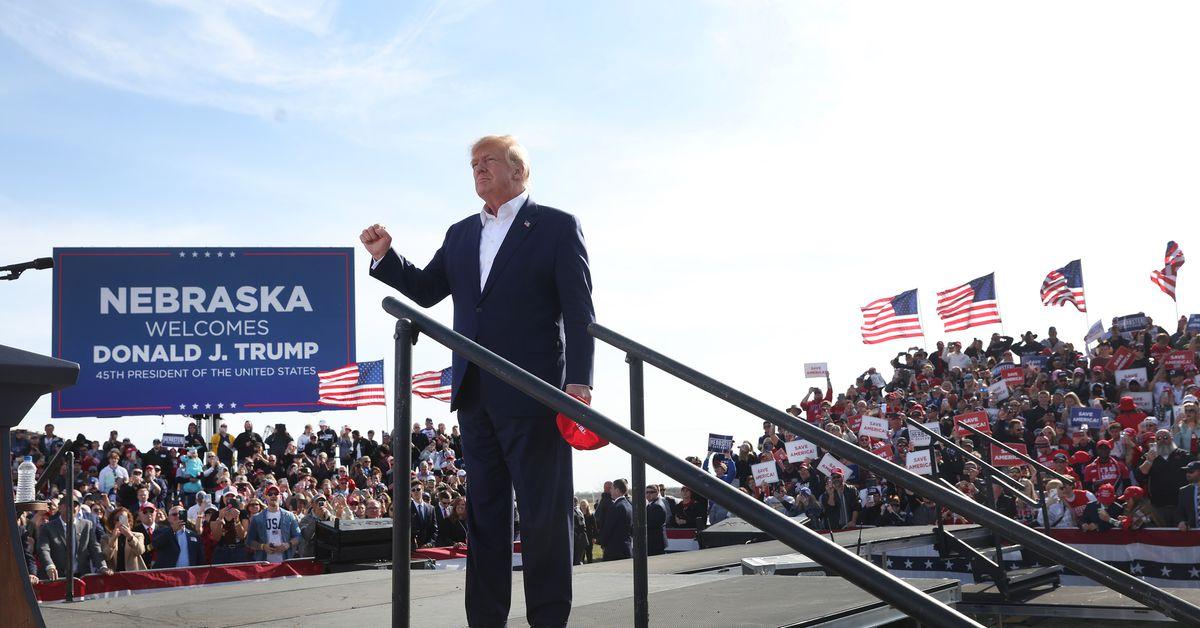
377 240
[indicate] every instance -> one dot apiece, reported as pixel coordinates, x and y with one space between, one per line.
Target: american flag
433 384
1165 278
358 384
1064 286
970 305
891 318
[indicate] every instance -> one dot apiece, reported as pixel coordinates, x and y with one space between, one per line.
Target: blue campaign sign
1193 324
200 330
1034 359
1131 322
1086 417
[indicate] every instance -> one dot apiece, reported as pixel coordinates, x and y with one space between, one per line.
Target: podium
24 378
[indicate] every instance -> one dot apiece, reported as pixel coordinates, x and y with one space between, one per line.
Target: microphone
15 270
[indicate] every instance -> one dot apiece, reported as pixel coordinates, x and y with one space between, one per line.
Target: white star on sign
182 254
1166 572
220 405
183 406
232 254
1193 572
195 405
929 564
233 405
220 253
207 254
207 406
889 562
195 254
1135 568
949 565
908 564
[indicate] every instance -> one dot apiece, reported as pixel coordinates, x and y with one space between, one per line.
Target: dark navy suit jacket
534 309
616 532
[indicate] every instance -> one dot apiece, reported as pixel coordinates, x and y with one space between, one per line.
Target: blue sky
779 164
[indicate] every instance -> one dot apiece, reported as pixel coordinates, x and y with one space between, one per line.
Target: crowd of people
233 498
1137 468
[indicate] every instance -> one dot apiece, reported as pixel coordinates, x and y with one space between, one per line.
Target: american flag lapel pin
526 224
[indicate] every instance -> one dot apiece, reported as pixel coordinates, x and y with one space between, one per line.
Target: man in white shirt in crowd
110 473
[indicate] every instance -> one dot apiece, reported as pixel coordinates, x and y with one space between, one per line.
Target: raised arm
427 286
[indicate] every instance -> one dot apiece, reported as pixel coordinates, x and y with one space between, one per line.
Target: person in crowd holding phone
121 546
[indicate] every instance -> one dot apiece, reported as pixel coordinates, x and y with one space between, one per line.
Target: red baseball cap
1104 443
271 489
1106 494
576 435
1133 492
1082 457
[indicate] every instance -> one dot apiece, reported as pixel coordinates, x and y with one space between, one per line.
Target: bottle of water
26 478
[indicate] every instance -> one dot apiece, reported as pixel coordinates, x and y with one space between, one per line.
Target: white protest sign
1143 400
720 444
918 438
816 369
1095 333
829 463
1124 375
877 380
764 473
800 450
873 426
919 462
998 390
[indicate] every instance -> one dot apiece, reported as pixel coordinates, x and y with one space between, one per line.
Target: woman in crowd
453 532
193 438
589 526
121 546
227 531
1187 427
689 512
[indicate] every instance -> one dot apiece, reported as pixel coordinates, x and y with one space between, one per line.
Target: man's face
493 173
273 499
113 459
249 426
373 511
177 517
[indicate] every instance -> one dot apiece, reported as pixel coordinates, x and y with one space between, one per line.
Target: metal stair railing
869 577
1102 573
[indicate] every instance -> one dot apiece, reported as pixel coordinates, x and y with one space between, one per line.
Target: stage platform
601 599
1067 603
731 557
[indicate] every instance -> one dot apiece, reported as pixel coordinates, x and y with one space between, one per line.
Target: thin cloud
267 58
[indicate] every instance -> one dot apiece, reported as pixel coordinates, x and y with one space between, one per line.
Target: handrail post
71 549
637 423
1041 489
1002 582
401 452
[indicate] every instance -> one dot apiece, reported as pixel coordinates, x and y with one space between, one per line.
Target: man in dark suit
424 517
170 541
1189 498
518 274
616 533
657 514
52 546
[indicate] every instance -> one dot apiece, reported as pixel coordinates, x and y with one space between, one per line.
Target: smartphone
123 519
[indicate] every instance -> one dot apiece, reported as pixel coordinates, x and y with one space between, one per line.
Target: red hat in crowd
1106 494
1127 404
1081 457
1105 444
576 435
837 473
271 490
1133 492
149 507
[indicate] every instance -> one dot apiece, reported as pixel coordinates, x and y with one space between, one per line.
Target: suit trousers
525 453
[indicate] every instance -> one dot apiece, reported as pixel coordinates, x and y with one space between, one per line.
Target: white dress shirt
494 230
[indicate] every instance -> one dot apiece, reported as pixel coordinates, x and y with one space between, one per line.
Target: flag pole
921 322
